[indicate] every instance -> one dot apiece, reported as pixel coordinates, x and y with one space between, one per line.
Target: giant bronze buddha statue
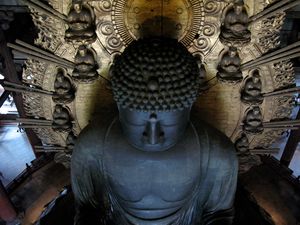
153 164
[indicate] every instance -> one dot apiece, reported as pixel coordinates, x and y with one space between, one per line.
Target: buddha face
82 52
238 9
60 77
256 76
256 79
256 111
153 131
77 7
58 109
232 53
244 139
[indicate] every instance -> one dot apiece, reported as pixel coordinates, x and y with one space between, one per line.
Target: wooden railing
283 171
30 169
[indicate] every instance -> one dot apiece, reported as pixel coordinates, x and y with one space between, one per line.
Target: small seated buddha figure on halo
242 144
70 141
234 30
61 119
252 90
246 159
85 65
81 24
253 122
64 89
229 66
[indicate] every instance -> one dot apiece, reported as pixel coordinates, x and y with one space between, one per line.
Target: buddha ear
115 56
198 57
200 64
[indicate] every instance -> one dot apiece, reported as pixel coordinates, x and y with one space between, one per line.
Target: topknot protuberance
155 75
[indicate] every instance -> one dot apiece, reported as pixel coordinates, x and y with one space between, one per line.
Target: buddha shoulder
215 144
92 136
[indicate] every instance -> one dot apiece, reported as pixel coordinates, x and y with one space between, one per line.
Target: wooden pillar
7 210
10 74
291 146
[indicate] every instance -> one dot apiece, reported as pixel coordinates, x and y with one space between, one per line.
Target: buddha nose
153 133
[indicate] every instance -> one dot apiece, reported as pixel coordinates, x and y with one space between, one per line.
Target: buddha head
256 111
77 6
232 52
58 109
238 7
82 50
242 144
60 75
256 76
154 82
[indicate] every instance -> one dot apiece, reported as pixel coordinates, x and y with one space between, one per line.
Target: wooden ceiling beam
7 117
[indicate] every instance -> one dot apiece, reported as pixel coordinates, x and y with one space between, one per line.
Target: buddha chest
151 184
